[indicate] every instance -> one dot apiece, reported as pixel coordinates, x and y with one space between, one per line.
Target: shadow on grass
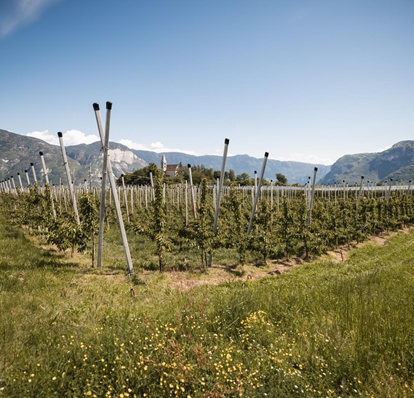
235 270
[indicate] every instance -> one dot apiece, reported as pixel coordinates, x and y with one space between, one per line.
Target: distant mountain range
18 151
396 162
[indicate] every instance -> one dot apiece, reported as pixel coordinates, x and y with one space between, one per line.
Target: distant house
169 170
172 170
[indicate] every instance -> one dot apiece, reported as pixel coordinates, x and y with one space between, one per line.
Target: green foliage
89 218
66 233
232 231
159 218
37 208
139 176
323 329
203 226
281 179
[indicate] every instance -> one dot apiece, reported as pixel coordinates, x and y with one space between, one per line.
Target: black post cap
189 165
95 106
60 134
31 164
266 154
41 153
226 141
316 169
108 105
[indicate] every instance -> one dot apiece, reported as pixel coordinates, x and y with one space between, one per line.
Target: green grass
323 329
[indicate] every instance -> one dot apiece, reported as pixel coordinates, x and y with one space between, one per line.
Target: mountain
90 157
296 172
18 151
396 162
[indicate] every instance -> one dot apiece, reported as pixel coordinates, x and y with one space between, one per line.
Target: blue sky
305 80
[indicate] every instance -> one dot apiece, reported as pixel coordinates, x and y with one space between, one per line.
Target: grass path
323 329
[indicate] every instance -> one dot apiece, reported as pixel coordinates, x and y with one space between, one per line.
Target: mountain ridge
396 162
18 151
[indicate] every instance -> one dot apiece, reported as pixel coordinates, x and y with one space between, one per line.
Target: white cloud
16 13
45 136
75 137
71 137
154 147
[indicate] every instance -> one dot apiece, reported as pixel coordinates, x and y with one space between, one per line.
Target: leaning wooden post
112 181
256 199
125 198
27 177
190 175
47 182
315 170
34 172
220 187
389 189
66 164
186 203
103 198
360 190
20 180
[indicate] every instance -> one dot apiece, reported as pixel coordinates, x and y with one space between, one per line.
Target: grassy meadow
323 329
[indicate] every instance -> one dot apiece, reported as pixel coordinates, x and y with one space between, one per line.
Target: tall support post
193 198
220 188
103 199
132 200
152 186
315 170
34 172
255 180
271 195
125 198
13 183
20 180
112 180
47 182
66 164
389 189
27 177
256 199
360 190
90 177
308 190
186 203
